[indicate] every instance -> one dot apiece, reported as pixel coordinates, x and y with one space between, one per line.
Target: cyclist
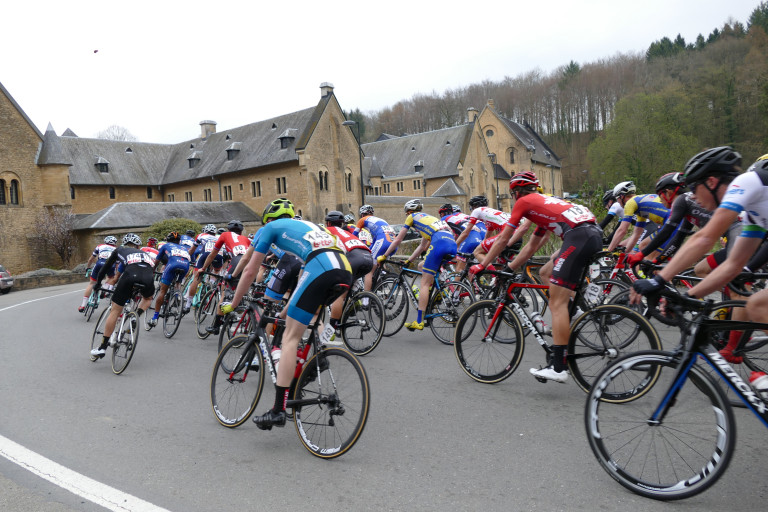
134 268
151 247
458 222
452 216
176 259
436 239
326 274
615 211
99 255
358 254
582 239
715 180
494 221
638 210
188 239
381 232
234 243
349 223
204 244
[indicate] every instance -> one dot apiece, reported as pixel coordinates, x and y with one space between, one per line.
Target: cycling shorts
468 245
379 247
284 277
217 262
579 246
488 242
717 258
97 269
443 246
319 284
361 261
142 277
174 271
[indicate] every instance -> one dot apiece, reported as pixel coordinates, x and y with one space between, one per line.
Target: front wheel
98 331
395 299
125 345
237 381
489 341
445 307
173 314
331 402
362 323
206 312
673 457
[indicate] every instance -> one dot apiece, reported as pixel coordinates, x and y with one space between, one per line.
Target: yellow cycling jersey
425 224
645 207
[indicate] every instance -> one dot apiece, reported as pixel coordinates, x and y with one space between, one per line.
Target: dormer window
102 164
128 150
228 137
233 150
191 146
287 137
194 159
274 126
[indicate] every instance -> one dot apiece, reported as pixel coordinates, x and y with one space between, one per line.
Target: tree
55 231
161 229
759 17
116 132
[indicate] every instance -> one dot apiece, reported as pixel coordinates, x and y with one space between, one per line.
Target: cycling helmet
277 209
235 226
349 218
625 187
173 237
456 208
414 205
366 209
190 232
760 164
132 238
722 161
525 180
608 196
221 230
334 218
445 209
110 240
478 201
297 217
151 242
669 180
210 229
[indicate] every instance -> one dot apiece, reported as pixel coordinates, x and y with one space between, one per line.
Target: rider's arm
396 242
737 258
525 226
533 245
619 235
105 268
498 245
420 249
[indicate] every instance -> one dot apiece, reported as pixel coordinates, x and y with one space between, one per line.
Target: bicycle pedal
542 380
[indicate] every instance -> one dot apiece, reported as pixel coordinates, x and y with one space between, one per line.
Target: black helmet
221 230
478 201
719 162
334 218
608 196
669 180
235 226
445 209
190 232
173 237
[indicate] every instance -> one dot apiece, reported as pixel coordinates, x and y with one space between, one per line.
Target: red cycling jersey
235 244
346 240
549 214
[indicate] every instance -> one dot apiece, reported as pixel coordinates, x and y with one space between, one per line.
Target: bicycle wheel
149 313
98 331
206 312
603 291
395 300
362 323
331 402
602 335
173 314
674 457
489 341
236 324
125 345
237 383
445 307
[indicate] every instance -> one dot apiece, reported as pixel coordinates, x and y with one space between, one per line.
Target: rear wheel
98 331
363 323
173 314
237 381
445 307
235 324
125 345
395 300
206 312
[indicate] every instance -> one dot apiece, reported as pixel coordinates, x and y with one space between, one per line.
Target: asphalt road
435 440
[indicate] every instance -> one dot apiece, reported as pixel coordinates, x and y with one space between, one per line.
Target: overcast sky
158 68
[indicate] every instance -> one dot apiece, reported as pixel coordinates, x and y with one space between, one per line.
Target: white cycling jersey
494 219
748 194
617 210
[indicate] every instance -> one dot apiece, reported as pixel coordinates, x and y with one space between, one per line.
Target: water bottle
276 353
415 290
759 381
539 324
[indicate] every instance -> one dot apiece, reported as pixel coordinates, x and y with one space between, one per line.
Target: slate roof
449 188
133 215
542 153
441 152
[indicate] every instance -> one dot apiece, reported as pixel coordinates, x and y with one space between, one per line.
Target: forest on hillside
629 116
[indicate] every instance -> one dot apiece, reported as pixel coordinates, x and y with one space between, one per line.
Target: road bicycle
674 433
447 300
329 397
124 338
489 340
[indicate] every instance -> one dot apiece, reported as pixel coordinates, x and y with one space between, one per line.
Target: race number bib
577 214
319 240
353 242
180 253
238 250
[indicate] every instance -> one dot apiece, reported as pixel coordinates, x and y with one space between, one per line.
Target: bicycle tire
445 308
332 402
125 345
173 314
235 389
395 299
98 332
674 458
603 334
234 325
206 311
362 323
149 313
489 351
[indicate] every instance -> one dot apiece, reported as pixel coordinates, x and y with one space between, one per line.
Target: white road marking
41 298
100 494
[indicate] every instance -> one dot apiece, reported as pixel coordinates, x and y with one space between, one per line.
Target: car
6 281
411 235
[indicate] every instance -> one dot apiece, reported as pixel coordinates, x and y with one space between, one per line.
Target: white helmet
625 187
414 205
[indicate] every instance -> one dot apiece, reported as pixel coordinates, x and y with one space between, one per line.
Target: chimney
471 114
491 104
207 128
326 88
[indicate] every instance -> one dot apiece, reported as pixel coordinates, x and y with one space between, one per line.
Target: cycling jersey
615 211
358 254
494 219
152 253
645 207
456 221
187 241
426 224
442 244
749 193
475 238
381 233
176 259
102 251
235 244
135 267
684 214
549 214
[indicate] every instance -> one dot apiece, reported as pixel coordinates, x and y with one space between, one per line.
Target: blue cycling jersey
298 237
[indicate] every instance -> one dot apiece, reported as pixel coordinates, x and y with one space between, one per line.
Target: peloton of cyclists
99 256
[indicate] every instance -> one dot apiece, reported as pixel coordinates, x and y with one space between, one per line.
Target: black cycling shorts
285 276
142 277
361 262
579 246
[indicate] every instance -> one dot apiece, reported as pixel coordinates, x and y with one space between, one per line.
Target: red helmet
523 180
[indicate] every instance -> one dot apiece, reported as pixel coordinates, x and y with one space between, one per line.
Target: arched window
320 179
14 192
71 192
325 179
2 191
111 192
